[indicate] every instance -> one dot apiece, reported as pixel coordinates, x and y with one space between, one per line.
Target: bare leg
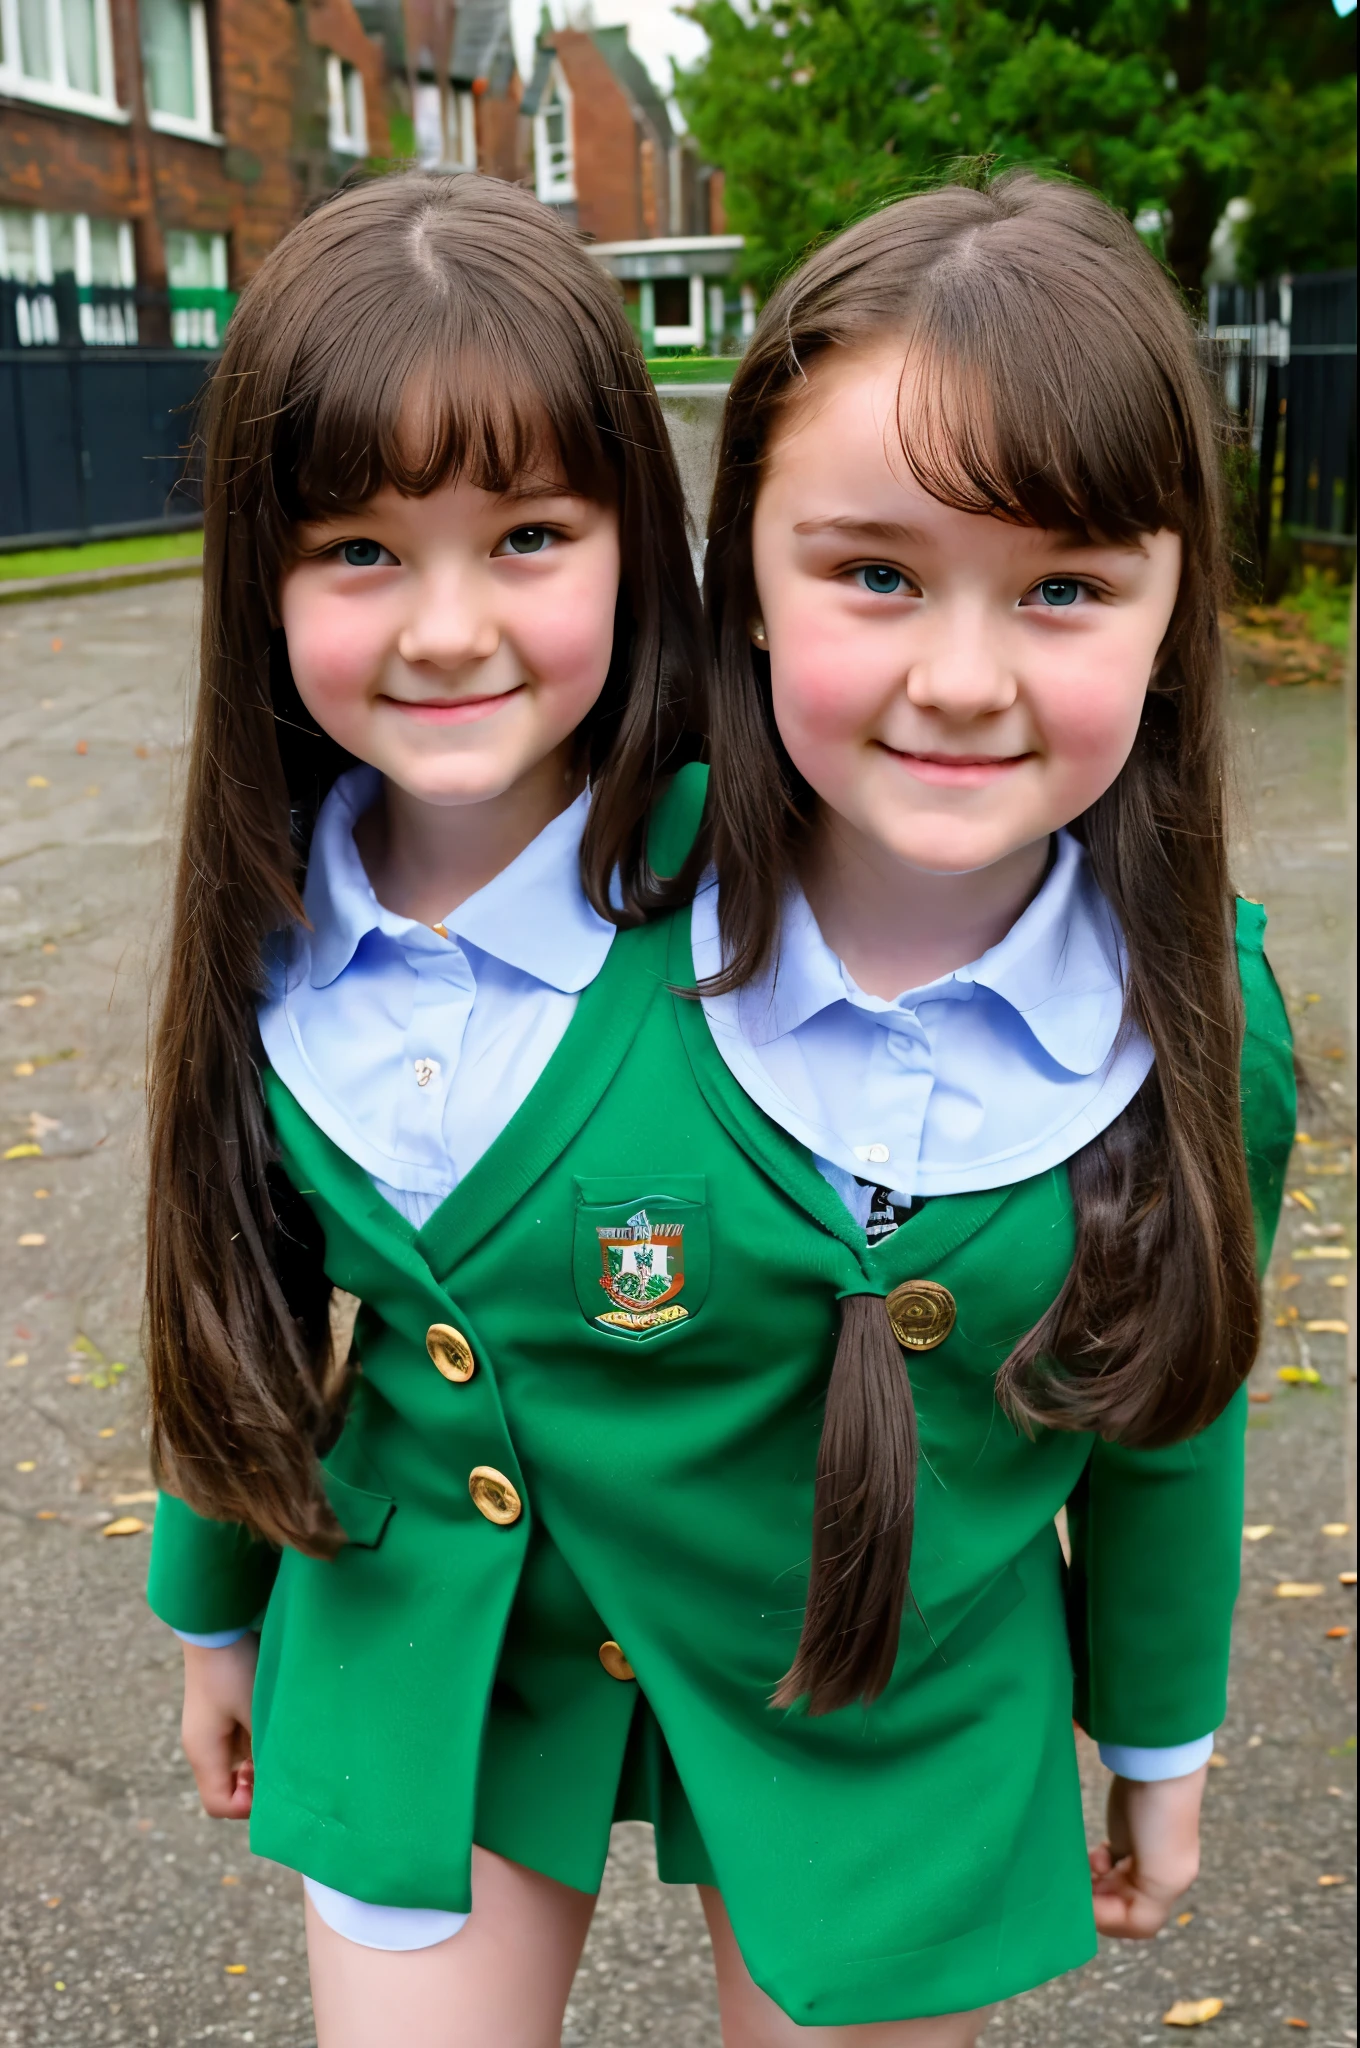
504 1977
751 2020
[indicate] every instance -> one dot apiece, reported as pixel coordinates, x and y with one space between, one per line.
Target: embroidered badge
642 1272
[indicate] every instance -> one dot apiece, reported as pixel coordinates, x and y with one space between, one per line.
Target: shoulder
674 822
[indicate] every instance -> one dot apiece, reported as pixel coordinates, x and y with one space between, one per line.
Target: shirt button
494 1496
922 1314
425 1072
874 1154
615 1663
450 1352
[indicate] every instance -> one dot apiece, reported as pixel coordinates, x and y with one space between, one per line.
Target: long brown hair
1065 393
467 302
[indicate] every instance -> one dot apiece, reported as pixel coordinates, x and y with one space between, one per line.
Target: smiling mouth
957 771
450 710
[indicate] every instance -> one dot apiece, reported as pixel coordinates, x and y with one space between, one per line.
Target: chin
947 852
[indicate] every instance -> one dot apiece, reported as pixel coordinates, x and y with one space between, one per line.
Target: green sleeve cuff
206 1576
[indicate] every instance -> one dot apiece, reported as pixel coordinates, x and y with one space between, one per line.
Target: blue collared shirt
413 1050
981 1078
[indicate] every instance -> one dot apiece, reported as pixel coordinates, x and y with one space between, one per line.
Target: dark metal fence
93 440
1286 355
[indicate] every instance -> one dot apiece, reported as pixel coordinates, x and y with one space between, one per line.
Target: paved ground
126 1917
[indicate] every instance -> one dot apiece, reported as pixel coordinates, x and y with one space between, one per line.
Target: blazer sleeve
206 1576
1157 1535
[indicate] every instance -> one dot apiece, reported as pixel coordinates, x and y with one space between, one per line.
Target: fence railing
1286 359
64 314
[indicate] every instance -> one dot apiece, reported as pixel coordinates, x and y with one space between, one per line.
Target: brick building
152 152
607 155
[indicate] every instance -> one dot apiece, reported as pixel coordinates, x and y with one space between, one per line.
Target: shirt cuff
222 1639
1152 1766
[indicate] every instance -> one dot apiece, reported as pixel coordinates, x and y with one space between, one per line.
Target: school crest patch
641 1253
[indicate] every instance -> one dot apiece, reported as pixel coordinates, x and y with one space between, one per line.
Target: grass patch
1323 603
102 554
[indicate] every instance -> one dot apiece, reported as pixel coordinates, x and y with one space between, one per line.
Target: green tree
819 109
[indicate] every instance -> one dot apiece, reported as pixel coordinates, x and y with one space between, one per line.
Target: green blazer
642 1274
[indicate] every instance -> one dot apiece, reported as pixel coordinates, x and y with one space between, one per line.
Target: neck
897 927
425 859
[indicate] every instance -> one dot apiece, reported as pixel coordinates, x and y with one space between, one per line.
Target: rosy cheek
1090 725
822 687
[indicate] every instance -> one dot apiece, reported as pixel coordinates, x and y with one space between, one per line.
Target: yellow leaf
1299 1376
235 1969
24 1002
231 1880
108 1432
38 782
27 1465
1298 1589
1331 1877
24 1151
1254 1531
1286 1281
1192 2012
1345 1578
1337 1280
1336 1528
32 1237
19 1358
1304 1200
1331 1326
1323 1251
126 1525
1336 1635
23 1069
1184 1919
132 1500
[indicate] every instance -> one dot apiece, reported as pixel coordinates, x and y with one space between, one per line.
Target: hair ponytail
863 1518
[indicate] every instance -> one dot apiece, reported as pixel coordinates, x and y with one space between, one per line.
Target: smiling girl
450 659
970 947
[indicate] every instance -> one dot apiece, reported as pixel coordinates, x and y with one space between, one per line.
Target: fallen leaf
1304 1200
32 1237
38 782
126 1525
1304 2024
1254 1531
50 1903
1338 1634
46 1515
1217 1762
1337 1280
1331 1878
1192 2012
142 753
1299 1376
24 1002
1302 1138
1259 1394
92 789
23 1069
19 1358
27 1465
231 1880
1331 1326
108 1432
1298 1589
1291 1315
1286 1281
1184 1919
1336 1528
1307 1251
235 1969
82 746
133 1500
1346 1578
56 646
24 1151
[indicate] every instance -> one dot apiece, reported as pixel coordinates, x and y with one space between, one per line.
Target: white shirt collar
1060 968
533 916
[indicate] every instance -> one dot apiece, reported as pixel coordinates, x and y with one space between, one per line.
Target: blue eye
361 554
881 580
1059 590
527 540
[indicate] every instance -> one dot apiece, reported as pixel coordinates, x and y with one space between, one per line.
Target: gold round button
922 1314
494 1496
450 1351
615 1663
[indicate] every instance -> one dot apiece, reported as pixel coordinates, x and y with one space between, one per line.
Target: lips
458 711
958 771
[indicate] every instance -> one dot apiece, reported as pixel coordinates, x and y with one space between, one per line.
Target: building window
433 147
678 312
554 156
200 303
59 52
178 71
73 278
348 115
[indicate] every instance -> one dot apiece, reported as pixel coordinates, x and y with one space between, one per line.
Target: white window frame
55 92
692 335
347 110
555 183
465 123
199 127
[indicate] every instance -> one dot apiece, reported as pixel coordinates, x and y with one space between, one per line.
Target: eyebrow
863 529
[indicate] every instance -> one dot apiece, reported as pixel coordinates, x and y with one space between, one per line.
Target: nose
450 624
959 664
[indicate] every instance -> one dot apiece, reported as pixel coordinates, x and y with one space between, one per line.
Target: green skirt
563 1758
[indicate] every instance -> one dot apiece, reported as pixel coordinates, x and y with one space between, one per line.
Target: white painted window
177 68
465 124
348 114
59 52
196 268
678 306
37 248
554 150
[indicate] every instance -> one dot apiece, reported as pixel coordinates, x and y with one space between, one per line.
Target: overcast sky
656 31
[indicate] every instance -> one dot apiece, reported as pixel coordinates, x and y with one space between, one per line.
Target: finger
214 1768
1100 1859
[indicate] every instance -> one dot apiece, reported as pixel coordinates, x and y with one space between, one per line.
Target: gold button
922 1314
614 1661
494 1496
450 1351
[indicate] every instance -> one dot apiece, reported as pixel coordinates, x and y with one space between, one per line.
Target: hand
215 1727
1151 1856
